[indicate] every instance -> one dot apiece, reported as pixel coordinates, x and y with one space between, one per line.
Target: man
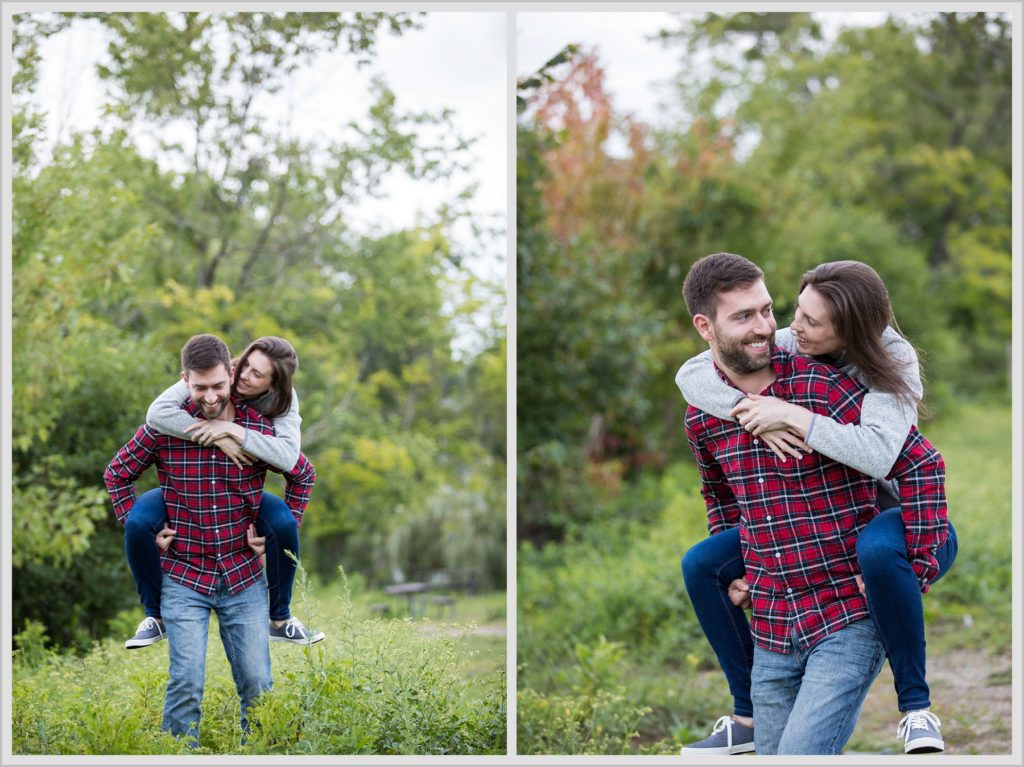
210 554
816 651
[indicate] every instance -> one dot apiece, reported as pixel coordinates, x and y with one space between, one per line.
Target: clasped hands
223 435
739 592
769 419
258 543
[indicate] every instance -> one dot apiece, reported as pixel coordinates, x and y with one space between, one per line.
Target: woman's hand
784 442
165 538
739 593
257 543
208 432
231 449
758 414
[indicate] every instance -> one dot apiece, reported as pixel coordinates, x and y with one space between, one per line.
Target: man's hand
208 432
860 585
758 414
784 442
257 543
165 538
232 450
739 593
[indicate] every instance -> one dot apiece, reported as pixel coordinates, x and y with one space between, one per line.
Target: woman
263 380
843 317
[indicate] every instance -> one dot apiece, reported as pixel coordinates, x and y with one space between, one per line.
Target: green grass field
611 659
375 685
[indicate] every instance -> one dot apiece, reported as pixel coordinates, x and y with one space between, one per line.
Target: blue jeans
808 701
245 634
708 569
275 521
894 599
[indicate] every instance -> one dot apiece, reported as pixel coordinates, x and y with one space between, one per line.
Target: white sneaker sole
742 748
134 644
311 640
924 746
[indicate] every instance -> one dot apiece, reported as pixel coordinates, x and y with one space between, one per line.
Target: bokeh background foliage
888 143
187 211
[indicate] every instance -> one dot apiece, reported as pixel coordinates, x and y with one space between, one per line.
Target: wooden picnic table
410 591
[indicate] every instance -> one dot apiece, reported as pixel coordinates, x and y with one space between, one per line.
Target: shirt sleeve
280 450
873 445
921 474
165 413
127 466
723 510
298 485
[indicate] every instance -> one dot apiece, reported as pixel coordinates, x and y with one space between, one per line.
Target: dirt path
971 692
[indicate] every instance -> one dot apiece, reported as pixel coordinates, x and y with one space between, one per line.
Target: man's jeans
245 634
275 521
807 702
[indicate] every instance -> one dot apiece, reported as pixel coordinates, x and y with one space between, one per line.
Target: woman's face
812 327
256 376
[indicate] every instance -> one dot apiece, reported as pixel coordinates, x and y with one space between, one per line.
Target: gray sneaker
727 737
293 631
150 631
920 733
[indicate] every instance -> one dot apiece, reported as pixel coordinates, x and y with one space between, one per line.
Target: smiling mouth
758 346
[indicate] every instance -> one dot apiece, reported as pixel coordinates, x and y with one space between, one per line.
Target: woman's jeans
894 599
244 632
276 522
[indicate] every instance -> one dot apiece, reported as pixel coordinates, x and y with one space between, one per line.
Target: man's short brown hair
205 352
714 274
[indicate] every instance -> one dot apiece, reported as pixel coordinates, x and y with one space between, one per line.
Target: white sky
457 61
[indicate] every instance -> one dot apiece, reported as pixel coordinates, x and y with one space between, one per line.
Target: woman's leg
278 524
894 599
143 522
708 569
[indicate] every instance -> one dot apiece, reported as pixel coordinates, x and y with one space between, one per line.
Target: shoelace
723 723
293 627
916 720
148 622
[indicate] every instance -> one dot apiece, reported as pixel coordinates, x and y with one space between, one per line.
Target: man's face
742 335
210 390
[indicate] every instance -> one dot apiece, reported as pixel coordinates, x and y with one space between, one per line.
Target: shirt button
769 518
760 480
213 482
789 591
778 555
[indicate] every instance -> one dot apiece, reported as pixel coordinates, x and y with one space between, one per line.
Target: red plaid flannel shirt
210 501
799 520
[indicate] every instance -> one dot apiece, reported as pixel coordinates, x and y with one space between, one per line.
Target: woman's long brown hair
284 361
860 310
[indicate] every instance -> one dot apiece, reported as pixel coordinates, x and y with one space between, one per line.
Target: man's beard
739 359
214 413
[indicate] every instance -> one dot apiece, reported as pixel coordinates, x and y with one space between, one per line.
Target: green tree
121 253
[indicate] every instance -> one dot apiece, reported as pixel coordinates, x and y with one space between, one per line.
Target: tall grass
373 686
615 590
